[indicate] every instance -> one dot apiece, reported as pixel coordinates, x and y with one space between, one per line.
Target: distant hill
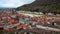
43 6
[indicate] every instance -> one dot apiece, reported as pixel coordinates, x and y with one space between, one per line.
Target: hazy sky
14 3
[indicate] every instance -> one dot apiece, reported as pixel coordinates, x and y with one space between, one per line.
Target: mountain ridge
42 5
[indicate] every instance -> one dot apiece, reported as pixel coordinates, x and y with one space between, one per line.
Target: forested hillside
42 6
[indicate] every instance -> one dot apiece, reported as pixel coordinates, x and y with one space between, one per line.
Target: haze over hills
14 3
42 5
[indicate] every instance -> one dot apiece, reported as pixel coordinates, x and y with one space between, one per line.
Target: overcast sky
13 3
